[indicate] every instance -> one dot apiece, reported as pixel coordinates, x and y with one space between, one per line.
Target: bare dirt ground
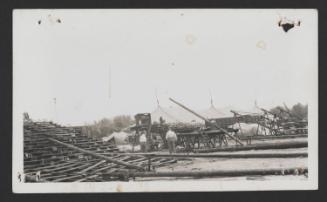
245 178
208 164
202 164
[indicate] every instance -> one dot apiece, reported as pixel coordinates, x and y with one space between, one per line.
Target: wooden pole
268 137
281 145
93 166
250 155
216 173
97 155
205 119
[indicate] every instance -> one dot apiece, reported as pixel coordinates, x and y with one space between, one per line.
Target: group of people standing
171 138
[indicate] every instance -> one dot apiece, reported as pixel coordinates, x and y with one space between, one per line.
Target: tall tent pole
55 109
109 83
158 104
211 100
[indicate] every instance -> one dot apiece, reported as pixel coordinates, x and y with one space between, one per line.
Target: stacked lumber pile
61 154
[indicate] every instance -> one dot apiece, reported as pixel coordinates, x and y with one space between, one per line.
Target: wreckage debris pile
46 158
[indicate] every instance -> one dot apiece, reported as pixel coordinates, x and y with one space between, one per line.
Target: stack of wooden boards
61 154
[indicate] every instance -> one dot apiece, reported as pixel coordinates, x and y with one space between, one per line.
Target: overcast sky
102 63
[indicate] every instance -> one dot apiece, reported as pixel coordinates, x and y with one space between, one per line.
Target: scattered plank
86 178
281 145
215 173
268 137
93 166
98 155
249 155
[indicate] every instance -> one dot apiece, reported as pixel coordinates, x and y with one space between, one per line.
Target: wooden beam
249 155
93 166
118 162
215 173
280 145
267 137
67 178
86 178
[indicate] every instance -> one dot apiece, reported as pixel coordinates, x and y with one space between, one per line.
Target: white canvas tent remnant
250 129
212 113
119 137
255 110
108 138
163 113
173 114
227 111
121 141
184 116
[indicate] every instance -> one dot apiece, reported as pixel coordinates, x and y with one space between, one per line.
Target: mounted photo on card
165 100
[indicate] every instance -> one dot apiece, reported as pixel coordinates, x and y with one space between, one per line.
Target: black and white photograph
164 100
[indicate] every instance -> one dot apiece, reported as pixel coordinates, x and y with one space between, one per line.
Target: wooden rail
118 162
213 173
281 145
249 155
272 137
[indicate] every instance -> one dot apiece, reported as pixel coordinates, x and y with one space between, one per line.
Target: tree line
105 126
298 111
